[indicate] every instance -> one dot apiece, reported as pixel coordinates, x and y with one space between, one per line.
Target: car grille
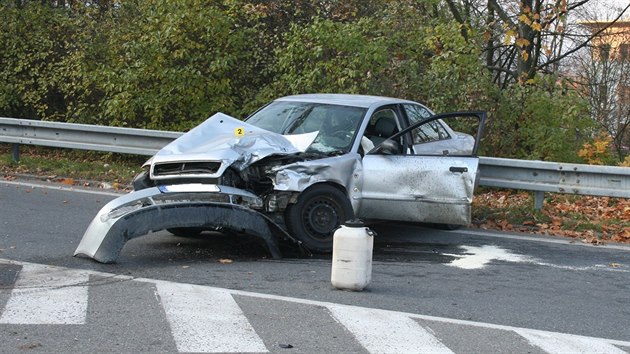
186 168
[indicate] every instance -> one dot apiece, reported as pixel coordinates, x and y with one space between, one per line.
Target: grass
52 163
515 215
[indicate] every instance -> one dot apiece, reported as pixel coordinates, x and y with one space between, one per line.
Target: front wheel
449 226
318 211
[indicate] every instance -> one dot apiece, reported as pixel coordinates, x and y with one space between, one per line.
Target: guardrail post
539 199
15 153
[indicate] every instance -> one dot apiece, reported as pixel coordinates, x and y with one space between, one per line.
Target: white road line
201 306
207 320
561 240
64 188
387 332
555 343
47 295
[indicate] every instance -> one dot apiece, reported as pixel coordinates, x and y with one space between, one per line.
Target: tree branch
585 43
458 18
502 14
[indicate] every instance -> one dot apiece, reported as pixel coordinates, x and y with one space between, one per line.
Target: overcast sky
609 9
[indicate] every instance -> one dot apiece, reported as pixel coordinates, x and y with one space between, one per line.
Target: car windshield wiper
315 152
335 153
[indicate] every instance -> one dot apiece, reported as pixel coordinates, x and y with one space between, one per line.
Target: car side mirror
388 147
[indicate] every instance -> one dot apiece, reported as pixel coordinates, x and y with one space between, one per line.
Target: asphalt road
547 284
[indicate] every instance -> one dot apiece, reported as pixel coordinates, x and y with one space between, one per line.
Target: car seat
384 128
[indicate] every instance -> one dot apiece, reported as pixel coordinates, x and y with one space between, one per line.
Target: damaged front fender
158 208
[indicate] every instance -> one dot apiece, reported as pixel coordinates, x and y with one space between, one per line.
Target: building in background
607 77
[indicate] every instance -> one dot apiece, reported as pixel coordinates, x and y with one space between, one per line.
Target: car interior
382 125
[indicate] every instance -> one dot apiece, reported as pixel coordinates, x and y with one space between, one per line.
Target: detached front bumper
178 206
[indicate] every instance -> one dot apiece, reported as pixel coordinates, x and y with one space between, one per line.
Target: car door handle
458 169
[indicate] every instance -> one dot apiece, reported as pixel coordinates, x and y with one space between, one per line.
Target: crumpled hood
232 142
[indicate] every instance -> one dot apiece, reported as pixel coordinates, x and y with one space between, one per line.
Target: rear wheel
317 213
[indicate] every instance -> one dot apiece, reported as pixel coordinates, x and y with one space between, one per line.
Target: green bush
538 121
171 64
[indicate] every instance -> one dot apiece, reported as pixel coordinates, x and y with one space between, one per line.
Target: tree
406 49
34 43
172 64
525 37
603 76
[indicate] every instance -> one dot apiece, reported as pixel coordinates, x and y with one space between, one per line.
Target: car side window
432 131
416 112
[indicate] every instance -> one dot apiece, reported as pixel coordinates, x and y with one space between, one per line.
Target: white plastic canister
352 256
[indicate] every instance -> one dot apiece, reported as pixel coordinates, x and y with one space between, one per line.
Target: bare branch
585 43
499 10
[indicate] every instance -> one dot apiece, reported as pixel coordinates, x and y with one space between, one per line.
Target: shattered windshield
336 124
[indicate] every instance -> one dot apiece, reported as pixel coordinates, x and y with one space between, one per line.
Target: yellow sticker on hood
238 132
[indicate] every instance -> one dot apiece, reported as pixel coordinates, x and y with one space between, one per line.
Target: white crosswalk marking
558 343
207 320
387 332
47 295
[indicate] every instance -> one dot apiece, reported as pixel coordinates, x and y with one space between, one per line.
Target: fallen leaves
66 181
592 220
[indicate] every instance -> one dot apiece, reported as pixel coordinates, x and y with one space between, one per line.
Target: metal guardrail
84 136
555 177
536 176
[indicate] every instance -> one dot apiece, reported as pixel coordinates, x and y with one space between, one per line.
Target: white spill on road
479 257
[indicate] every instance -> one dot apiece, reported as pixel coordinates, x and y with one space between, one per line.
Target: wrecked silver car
298 168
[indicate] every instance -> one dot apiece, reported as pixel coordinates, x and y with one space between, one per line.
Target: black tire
318 211
185 231
142 181
449 226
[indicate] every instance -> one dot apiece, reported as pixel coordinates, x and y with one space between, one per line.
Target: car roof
364 101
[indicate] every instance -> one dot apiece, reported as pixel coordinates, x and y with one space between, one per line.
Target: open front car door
424 173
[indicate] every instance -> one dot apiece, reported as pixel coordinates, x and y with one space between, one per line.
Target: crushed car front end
198 206
224 175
